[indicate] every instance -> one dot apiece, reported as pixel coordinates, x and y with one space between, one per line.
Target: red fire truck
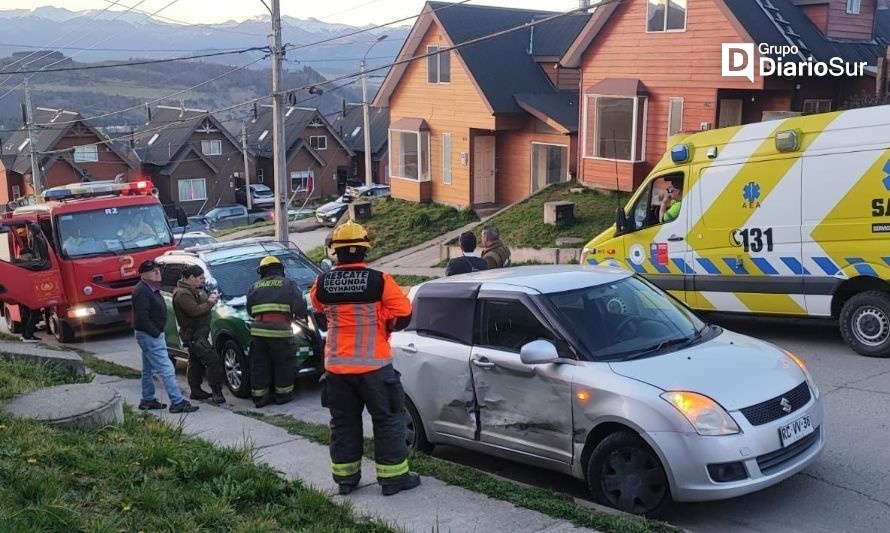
86 242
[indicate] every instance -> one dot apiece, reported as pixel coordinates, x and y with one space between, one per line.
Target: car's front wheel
236 369
415 436
623 472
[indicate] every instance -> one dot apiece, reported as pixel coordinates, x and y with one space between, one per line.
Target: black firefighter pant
346 395
204 359
272 365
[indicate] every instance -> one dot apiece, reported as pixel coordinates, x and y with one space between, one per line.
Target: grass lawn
397 224
226 231
523 226
316 254
409 280
142 476
541 500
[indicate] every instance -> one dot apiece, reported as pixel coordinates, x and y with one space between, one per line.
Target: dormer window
853 6
666 15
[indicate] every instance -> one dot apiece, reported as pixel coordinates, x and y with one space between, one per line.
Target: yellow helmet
350 234
269 260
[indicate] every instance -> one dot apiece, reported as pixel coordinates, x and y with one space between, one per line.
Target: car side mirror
538 352
620 220
181 218
326 265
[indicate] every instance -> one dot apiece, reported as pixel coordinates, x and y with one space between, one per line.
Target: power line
45 47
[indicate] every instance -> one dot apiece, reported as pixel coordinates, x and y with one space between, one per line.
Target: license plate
793 432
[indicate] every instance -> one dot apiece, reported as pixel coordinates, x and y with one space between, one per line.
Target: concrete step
35 353
81 405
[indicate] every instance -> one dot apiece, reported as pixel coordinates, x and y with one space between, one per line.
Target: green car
231 268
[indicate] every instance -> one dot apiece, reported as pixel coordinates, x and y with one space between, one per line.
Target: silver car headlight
705 415
806 372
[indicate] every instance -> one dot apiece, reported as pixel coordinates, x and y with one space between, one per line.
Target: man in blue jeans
149 319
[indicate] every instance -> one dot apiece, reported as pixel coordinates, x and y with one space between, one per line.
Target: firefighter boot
408 482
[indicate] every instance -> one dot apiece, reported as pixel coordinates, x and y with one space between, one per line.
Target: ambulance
788 217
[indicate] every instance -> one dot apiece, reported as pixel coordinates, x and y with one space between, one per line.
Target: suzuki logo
786 405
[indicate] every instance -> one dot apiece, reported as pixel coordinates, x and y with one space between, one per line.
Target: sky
352 12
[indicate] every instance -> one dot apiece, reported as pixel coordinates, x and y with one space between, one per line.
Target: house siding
335 157
843 25
818 14
513 152
63 172
456 107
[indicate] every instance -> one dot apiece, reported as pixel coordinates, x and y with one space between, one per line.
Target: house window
446 158
853 6
675 116
193 189
319 142
301 180
211 147
811 107
86 154
615 127
409 154
16 192
259 175
438 65
666 15
550 164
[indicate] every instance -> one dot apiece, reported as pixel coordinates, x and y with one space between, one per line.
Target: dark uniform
193 312
362 306
273 302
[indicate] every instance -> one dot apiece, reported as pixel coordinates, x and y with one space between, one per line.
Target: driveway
847 489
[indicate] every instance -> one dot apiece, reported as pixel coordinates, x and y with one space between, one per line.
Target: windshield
235 276
626 319
262 191
113 230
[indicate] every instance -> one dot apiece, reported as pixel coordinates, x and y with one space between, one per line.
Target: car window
235 276
508 325
170 275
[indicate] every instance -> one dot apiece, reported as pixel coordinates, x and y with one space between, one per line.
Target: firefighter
273 302
192 306
362 306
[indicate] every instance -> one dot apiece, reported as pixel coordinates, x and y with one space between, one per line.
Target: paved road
848 489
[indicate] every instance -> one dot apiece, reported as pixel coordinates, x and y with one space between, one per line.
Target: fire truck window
47 228
110 231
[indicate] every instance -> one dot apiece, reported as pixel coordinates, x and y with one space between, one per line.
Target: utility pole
369 175
278 146
36 181
246 166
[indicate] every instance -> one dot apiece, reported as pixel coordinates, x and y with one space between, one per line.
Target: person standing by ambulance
362 306
273 302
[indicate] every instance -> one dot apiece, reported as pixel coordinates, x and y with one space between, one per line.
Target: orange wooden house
488 123
652 68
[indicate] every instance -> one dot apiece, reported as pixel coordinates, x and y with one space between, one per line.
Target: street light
368 180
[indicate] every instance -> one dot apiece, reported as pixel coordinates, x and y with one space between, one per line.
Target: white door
730 112
483 169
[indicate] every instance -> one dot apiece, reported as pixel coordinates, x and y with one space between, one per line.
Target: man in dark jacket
192 307
469 261
273 302
149 319
496 253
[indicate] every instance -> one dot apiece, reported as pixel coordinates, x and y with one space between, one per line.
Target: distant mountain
138 35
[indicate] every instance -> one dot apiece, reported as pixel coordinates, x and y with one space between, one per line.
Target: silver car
597 373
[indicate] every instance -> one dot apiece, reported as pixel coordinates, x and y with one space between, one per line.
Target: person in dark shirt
149 320
468 261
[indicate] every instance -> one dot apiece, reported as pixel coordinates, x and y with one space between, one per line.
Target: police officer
273 302
192 306
362 306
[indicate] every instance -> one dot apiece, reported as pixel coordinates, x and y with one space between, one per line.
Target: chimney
24 116
148 112
254 112
181 108
585 4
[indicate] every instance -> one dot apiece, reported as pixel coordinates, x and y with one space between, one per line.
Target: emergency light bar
90 190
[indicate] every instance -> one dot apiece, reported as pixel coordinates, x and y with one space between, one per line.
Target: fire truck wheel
62 331
11 325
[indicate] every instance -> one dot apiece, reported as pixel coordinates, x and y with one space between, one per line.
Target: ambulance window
659 203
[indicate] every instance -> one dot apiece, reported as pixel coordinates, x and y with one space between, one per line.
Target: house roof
773 22
780 22
159 141
502 66
296 119
351 127
50 126
560 108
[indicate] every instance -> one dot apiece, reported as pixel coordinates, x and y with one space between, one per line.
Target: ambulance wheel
865 323
11 325
61 330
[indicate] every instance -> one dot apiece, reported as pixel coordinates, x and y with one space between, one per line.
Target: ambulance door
655 241
747 238
29 271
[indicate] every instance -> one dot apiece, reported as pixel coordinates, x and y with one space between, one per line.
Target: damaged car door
523 408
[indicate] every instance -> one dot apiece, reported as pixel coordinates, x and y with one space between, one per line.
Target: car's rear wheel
623 472
865 323
415 436
236 369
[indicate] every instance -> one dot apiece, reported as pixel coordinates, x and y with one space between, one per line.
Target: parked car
195 223
231 216
260 195
192 238
297 214
230 269
329 213
597 373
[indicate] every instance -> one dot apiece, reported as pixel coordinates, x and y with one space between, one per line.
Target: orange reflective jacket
361 306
